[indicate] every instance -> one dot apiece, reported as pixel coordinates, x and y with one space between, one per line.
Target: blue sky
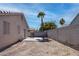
54 12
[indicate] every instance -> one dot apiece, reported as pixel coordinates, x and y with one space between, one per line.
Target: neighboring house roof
2 12
75 20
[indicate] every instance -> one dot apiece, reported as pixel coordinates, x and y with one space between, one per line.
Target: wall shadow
6 47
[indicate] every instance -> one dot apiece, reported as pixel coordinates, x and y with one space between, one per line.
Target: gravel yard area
51 48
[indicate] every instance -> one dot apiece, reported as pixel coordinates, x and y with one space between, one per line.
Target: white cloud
9 9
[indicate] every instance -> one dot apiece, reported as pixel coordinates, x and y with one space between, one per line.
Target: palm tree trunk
42 23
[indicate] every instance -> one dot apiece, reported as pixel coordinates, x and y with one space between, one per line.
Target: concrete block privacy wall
68 34
39 34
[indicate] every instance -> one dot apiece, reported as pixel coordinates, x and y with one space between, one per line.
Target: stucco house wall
75 20
14 20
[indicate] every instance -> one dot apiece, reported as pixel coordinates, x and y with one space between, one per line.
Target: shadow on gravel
44 40
4 48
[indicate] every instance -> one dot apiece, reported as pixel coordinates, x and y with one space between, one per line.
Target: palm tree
41 15
62 21
48 26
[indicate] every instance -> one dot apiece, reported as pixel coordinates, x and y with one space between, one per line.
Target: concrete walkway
50 48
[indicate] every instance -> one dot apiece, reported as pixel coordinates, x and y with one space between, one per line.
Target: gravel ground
52 48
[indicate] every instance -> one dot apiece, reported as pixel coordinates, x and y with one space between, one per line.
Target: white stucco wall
7 39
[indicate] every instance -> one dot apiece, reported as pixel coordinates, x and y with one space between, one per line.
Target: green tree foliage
41 15
62 21
48 26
